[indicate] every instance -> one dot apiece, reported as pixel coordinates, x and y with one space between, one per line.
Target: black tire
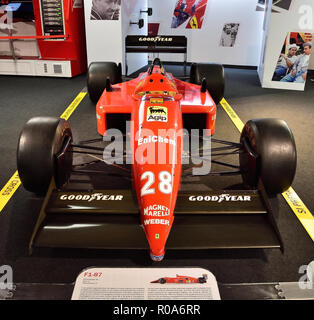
275 160
215 78
41 140
162 280
97 74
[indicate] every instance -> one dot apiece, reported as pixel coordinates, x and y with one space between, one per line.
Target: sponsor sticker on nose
157 113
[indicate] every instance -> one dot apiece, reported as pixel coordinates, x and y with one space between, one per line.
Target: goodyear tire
215 78
40 155
162 281
269 154
97 74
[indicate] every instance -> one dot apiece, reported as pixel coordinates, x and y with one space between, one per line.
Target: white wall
105 39
203 44
131 13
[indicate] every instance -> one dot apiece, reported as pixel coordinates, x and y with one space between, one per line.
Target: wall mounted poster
293 62
105 10
287 45
229 34
192 11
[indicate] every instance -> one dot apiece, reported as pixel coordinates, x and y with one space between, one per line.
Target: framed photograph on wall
293 62
190 11
105 10
229 34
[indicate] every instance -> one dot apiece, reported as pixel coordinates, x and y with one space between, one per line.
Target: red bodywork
156 101
180 279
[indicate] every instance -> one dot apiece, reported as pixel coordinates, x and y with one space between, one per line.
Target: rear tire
97 74
40 142
275 159
215 78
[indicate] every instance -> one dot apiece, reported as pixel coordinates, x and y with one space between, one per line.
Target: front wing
109 219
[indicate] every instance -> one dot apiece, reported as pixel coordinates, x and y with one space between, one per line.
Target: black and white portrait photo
229 34
105 10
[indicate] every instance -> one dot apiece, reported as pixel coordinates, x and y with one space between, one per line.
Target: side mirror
135 97
178 96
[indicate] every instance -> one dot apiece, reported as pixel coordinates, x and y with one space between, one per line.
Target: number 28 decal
164 185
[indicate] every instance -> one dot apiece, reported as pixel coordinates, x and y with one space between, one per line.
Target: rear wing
157 44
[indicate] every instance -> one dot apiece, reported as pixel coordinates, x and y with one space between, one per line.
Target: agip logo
157 113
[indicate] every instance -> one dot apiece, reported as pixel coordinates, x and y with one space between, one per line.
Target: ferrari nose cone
157 255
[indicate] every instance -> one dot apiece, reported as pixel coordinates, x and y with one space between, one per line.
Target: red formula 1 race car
181 279
113 218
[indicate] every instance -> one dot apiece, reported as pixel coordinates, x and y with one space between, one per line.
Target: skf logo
157 113
156 100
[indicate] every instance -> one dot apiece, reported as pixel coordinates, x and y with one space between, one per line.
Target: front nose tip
157 255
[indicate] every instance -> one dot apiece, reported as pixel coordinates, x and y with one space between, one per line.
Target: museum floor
26 97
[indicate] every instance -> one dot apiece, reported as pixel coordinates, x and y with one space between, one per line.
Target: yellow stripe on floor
232 115
8 190
300 210
71 108
13 184
295 203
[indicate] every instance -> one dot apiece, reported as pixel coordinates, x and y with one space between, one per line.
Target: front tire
215 78
39 157
269 154
97 74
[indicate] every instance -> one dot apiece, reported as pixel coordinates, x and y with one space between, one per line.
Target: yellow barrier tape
13 184
232 115
8 190
301 211
71 108
295 203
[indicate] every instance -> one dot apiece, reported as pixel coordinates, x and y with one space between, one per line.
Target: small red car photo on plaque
181 279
